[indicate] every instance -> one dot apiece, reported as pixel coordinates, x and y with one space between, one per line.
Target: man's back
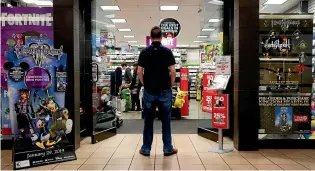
155 60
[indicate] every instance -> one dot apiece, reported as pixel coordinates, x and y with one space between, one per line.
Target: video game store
244 73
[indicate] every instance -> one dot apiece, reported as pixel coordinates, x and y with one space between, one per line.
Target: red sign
184 87
208 80
300 118
220 111
207 101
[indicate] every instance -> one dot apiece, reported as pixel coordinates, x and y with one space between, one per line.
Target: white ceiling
193 15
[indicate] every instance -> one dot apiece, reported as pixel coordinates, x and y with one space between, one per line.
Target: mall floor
121 153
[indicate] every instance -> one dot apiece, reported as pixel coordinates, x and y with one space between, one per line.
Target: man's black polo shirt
156 59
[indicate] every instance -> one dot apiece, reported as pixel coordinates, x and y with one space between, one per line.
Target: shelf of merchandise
193 69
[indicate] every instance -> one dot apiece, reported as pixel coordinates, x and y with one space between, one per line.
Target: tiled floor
121 153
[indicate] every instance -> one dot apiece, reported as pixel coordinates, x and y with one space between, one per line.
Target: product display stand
221 149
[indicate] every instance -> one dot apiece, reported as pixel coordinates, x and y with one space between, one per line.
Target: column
66 33
246 74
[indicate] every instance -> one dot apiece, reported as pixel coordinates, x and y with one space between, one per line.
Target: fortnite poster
5 113
283 118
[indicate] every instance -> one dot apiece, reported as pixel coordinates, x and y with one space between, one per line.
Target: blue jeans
162 100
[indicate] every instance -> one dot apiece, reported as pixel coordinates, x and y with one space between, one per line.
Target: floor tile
217 167
267 167
91 161
4 165
310 166
187 155
99 155
45 167
8 167
209 155
123 155
172 161
166 167
261 160
242 167
192 167
83 155
215 161
292 167
142 162
78 161
117 167
236 160
6 160
193 161
141 167
281 160
67 167
92 167
119 161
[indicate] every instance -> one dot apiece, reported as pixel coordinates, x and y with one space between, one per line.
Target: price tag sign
220 111
208 80
223 65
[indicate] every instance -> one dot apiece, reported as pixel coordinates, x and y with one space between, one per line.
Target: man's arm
173 74
140 74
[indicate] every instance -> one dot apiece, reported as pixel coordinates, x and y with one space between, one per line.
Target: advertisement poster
284 118
220 111
167 42
212 51
28 22
5 113
207 81
223 65
207 100
170 27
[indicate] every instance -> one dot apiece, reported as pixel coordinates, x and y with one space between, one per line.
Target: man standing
127 75
156 71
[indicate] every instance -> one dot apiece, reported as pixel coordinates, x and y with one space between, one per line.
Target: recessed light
168 8
216 2
213 20
275 2
29 1
110 8
208 29
195 46
43 3
182 45
201 36
129 36
132 41
126 29
118 20
197 41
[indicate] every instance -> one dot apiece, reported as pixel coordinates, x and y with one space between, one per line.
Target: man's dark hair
156 32
123 65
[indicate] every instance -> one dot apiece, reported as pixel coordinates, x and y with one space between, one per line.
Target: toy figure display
125 94
31 71
180 99
199 86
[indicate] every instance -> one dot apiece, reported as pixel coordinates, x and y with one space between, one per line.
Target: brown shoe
171 153
143 153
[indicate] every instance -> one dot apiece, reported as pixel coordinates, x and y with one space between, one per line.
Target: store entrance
117 39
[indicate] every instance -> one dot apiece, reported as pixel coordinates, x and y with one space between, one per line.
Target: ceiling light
197 41
142 45
117 20
168 8
126 29
110 8
43 3
213 20
208 29
200 36
195 46
132 41
29 1
216 2
129 36
182 45
274 2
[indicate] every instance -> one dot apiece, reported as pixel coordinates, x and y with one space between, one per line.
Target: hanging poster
220 111
167 42
223 65
207 81
170 27
212 51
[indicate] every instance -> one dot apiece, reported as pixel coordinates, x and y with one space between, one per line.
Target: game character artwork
284 118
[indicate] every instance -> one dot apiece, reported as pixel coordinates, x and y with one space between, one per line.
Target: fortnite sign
39 52
276 44
20 19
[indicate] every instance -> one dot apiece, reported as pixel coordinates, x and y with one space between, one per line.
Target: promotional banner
223 65
220 111
41 124
207 100
18 23
170 27
207 81
184 87
167 42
